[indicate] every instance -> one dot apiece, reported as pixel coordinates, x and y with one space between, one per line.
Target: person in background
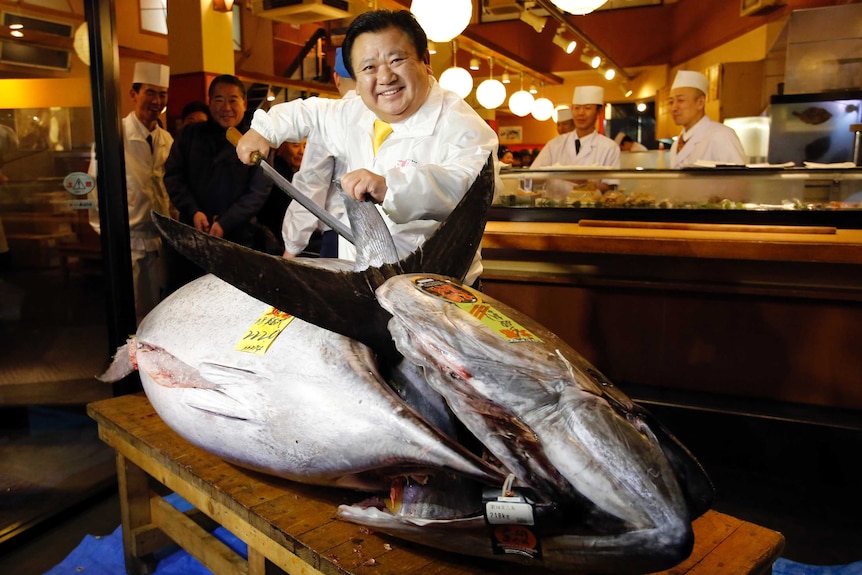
287 160
525 158
701 139
505 156
626 143
410 146
211 188
146 146
301 231
565 122
194 111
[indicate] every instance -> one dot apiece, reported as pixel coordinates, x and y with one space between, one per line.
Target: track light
610 73
270 95
595 62
568 46
505 78
537 22
533 89
432 47
474 63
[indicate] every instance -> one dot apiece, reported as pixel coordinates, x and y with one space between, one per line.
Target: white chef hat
151 73
589 95
562 114
690 79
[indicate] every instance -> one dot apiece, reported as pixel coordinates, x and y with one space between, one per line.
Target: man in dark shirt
211 188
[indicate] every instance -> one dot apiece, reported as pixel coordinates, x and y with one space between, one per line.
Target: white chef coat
596 150
314 178
429 161
145 191
710 141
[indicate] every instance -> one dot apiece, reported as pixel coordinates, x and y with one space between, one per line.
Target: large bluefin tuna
501 441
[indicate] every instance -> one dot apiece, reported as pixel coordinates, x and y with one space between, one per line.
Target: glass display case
816 195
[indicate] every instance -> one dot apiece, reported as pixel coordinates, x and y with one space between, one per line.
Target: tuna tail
340 301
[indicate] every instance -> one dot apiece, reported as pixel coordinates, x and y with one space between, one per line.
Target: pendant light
543 108
442 20
491 93
521 102
578 7
456 79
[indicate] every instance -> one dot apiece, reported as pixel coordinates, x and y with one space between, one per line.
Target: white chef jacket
710 141
145 186
314 178
429 160
596 150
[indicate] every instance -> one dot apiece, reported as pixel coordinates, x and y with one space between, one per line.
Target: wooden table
293 526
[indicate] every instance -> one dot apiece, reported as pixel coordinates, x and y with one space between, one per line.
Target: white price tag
509 513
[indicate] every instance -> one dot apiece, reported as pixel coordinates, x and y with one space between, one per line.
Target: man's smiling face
391 78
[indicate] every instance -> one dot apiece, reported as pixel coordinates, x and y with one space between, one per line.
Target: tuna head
565 432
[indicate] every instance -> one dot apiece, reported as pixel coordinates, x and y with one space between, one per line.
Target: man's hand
250 143
201 222
216 230
288 256
363 185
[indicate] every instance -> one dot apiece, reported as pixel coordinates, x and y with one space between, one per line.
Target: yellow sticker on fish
470 301
263 331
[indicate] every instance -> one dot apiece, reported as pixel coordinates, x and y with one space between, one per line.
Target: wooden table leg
134 491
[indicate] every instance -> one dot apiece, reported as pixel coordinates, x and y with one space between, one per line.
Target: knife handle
233 135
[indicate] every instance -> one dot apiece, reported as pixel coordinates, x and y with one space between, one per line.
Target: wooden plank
753 228
212 553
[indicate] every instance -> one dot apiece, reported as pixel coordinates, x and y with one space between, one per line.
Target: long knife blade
233 135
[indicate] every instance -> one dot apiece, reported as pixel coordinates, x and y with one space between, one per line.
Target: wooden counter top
842 247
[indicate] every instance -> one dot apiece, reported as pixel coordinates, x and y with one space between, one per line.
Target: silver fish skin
313 408
564 433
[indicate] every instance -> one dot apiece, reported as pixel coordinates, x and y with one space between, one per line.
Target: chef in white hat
563 118
146 146
582 147
701 139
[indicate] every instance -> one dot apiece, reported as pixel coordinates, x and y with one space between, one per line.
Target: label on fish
470 301
509 511
263 331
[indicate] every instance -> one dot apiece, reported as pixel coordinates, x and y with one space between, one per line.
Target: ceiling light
543 109
474 63
432 47
505 78
537 22
491 93
442 20
596 61
578 7
270 95
521 102
610 73
533 89
457 79
641 107
17 33
568 46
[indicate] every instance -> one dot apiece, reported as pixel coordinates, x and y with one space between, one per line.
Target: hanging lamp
456 79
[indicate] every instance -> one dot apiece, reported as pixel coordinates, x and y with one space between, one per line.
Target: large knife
233 135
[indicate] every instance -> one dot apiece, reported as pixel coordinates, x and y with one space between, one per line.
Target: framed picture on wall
511 134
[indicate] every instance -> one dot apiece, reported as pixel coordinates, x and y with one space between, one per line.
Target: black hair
194 106
501 151
379 20
626 138
226 79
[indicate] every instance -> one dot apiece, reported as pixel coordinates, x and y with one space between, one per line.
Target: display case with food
817 194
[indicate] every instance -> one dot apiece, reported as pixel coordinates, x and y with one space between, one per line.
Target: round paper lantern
491 94
543 109
578 7
521 103
442 20
458 80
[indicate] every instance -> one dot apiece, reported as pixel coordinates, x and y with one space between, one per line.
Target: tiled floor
795 479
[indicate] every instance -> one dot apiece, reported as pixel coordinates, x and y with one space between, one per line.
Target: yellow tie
381 131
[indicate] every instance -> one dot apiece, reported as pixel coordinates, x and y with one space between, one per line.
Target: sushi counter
751 315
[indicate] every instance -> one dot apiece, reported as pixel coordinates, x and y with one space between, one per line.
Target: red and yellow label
471 302
263 331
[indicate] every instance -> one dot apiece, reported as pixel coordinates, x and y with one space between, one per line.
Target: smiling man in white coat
701 138
410 146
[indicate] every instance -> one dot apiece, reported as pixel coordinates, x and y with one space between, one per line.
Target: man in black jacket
211 188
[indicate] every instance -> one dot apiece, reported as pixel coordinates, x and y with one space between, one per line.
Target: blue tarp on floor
104 556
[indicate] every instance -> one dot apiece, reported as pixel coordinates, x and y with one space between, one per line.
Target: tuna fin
339 301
